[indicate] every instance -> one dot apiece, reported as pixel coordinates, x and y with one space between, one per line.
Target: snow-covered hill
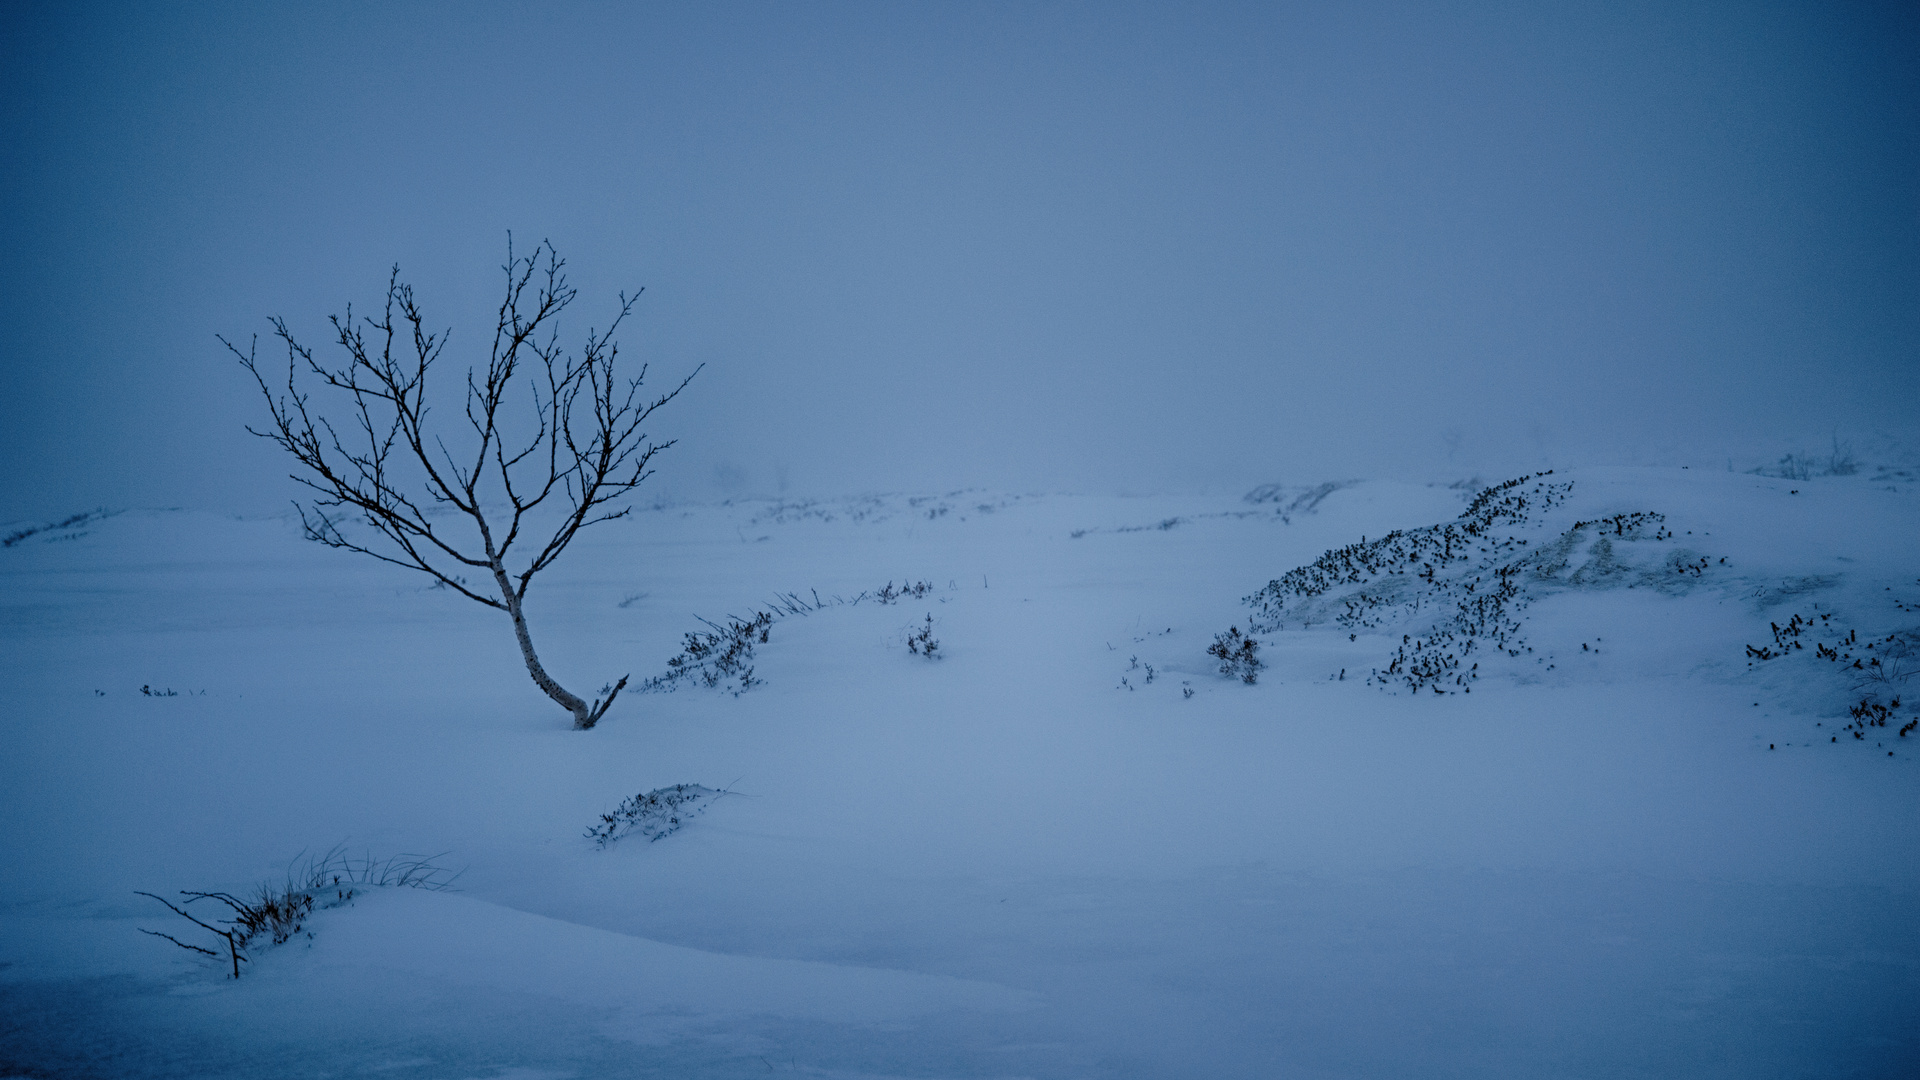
1583 779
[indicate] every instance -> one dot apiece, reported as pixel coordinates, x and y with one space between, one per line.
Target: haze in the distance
1027 247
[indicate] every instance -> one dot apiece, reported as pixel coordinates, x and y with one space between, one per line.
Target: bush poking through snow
278 912
1236 653
920 640
653 814
1870 713
721 658
888 594
716 658
341 872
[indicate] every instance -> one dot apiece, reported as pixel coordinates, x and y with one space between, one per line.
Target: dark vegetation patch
1168 524
1163 525
150 690
721 656
1238 655
1874 670
921 642
276 912
1286 502
1839 461
1133 665
1459 588
873 509
654 814
1302 502
72 528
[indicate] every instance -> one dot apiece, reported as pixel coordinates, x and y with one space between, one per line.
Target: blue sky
1025 246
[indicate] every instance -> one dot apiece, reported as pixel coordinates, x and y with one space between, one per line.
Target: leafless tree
521 487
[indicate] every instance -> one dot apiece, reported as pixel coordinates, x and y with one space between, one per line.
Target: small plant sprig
1133 665
888 594
1237 655
920 640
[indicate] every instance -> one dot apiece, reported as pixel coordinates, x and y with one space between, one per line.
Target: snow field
998 863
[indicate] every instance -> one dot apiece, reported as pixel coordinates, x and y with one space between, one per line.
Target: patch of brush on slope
874 509
1457 591
72 528
721 657
1870 674
1305 501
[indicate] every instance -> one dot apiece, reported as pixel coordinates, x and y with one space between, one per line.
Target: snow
998 863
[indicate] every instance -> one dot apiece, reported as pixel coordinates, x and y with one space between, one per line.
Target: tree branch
584 449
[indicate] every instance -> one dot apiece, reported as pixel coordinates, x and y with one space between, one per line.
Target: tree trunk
584 715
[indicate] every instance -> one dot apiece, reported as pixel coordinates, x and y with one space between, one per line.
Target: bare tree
523 483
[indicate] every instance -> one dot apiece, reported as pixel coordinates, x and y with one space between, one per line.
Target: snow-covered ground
1638 849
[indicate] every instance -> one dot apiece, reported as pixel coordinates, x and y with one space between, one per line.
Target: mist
1028 247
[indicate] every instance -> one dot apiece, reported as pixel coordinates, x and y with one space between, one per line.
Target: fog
1029 247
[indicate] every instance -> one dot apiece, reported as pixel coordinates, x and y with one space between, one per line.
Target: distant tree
515 481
